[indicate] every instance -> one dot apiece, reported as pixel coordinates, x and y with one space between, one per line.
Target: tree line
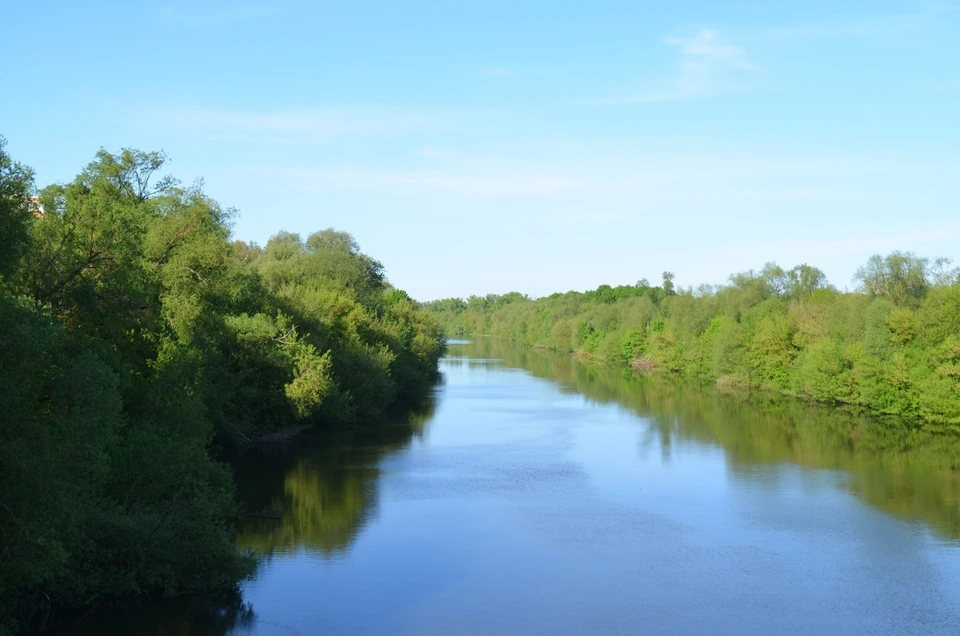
891 346
136 338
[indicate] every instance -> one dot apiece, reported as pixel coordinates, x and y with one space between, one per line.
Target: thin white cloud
499 72
286 127
771 201
475 185
605 176
926 15
435 152
951 85
708 64
212 15
706 45
484 186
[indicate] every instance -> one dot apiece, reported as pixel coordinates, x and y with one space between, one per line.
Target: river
537 494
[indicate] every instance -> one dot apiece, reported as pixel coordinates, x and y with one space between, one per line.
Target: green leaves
16 210
132 333
903 277
890 348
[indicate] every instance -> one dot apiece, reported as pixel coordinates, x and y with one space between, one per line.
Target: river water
537 494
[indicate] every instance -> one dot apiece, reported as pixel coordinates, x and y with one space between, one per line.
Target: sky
486 146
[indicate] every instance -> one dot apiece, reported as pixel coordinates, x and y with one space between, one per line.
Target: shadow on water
315 492
318 491
891 465
206 615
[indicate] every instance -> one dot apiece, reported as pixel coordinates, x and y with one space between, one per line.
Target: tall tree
16 185
899 276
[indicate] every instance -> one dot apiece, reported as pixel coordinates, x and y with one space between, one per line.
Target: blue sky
479 146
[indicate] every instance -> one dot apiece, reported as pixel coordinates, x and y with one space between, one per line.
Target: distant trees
797 283
894 347
903 277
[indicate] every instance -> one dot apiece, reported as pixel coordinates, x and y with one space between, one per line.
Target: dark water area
538 494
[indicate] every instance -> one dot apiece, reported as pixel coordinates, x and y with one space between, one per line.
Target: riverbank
138 338
580 498
894 351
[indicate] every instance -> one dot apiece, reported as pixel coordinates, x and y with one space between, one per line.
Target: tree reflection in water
203 615
898 469
318 491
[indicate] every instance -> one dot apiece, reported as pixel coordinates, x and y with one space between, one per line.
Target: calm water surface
539 495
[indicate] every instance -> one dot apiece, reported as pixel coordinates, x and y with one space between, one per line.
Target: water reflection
891 465
207 615
617 505
317 492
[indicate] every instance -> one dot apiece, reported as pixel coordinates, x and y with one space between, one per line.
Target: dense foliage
893 346
133 334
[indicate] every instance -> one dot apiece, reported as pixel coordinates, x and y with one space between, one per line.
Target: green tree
132 333
668 283
900 277
779 330
16 185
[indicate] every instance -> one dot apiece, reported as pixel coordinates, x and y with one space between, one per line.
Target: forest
892 346
137 340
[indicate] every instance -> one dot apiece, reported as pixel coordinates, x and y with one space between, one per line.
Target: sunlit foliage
893 346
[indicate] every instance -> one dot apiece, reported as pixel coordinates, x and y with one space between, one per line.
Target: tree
803 280
668 283
941 274
132 333
16 184
900 276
